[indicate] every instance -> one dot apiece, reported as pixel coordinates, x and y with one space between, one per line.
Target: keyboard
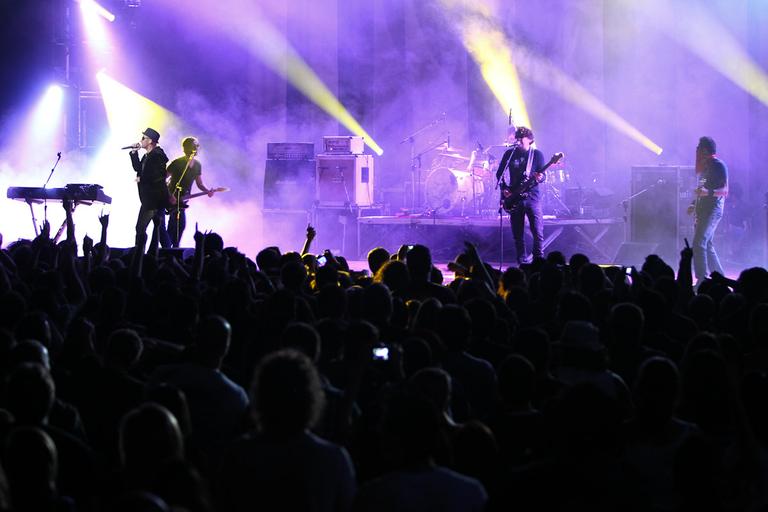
77 192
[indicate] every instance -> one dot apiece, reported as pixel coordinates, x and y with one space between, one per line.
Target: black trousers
157 217
531 209
176 226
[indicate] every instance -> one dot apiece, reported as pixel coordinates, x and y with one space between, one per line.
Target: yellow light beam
243 21
128 112
546 75
705 36
501 60
486 44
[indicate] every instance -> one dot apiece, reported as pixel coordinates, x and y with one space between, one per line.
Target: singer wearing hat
153 194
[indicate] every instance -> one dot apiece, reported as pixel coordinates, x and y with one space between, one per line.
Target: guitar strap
530 163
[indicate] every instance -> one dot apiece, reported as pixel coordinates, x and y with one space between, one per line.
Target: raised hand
199 236
311 233
104 220
87 245
45 230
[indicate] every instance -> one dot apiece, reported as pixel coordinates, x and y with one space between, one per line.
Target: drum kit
466 185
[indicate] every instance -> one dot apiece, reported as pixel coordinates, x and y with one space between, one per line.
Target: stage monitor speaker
632 254
289 184
344 180
654 210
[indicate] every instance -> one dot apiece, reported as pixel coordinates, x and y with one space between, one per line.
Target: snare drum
451 190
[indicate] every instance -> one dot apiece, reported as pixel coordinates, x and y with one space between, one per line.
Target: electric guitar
183 205
511 197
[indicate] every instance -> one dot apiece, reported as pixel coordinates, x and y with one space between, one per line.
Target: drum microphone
132 146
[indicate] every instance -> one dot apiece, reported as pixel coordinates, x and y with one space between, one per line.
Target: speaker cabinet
289 184
655 210
344 180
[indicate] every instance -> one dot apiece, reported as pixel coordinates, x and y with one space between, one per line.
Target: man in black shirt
524 162
183 171
709 205
150 177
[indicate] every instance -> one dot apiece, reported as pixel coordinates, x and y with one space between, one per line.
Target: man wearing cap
183 171
153 194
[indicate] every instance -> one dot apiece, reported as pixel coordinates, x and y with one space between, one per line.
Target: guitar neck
198 194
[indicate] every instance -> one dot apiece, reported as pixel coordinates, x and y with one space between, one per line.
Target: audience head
657 389
212 341
293 275
124 349
32 466
394 274
376 258
29 351
30 393
434 384
149 435
419 262
454 327
268 260
517 381
286 397
303 338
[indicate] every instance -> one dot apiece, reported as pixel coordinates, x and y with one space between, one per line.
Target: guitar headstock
556 158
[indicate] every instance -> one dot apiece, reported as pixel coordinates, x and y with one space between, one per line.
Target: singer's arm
135 161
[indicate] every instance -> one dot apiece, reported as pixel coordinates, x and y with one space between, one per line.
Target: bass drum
450 190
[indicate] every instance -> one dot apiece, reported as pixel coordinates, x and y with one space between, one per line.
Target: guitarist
182 172
523 162
708 207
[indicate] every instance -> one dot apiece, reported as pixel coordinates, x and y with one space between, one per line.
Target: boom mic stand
177 192
45 201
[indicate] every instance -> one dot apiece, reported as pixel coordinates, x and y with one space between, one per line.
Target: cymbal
446 147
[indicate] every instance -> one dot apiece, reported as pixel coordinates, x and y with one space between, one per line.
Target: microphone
58 154
132 146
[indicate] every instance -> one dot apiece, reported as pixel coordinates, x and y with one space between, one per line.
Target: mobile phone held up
380 354
321 261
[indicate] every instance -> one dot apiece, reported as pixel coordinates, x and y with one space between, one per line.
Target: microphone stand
177 192
416 173
45 199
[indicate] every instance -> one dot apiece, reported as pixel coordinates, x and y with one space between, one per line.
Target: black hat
152 134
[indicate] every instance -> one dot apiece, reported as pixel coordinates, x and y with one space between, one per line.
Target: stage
352 233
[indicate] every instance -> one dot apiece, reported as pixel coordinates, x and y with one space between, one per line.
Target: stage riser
448 241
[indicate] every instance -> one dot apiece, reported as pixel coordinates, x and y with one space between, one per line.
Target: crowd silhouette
138 380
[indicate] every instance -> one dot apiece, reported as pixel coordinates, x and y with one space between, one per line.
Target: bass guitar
192 196
511 197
